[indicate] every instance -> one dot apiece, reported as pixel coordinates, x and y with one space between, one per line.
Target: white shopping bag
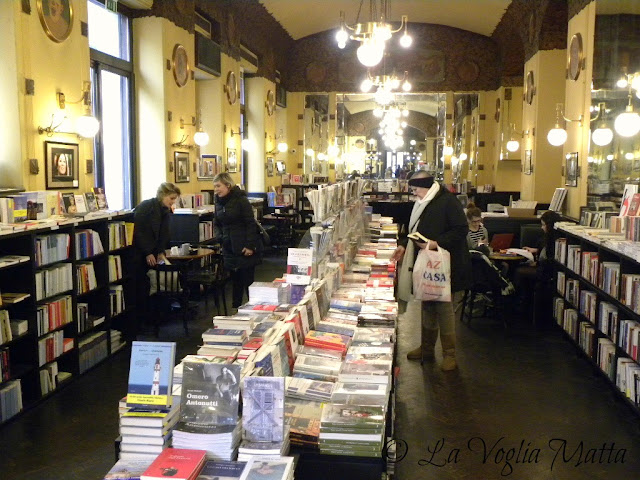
432 276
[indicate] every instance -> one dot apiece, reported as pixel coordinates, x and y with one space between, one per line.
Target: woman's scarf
405 279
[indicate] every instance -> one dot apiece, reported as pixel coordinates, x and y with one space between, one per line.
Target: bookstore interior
522 108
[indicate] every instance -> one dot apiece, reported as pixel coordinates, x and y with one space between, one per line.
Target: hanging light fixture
627 124
374 34
387 83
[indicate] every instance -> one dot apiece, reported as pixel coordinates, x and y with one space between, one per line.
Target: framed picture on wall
56 18
571 170
281 167
207 167
181 168
232 160
269 166
528 166
61 163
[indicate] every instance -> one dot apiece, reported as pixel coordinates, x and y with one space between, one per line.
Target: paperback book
175 463
221 470
263 409
151 374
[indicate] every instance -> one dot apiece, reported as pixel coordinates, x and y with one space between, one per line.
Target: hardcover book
92 204
151 374
210 396
101 198
128 469
221 470
175 463
352 416
268 469
263 409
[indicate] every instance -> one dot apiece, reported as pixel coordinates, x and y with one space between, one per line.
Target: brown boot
448 352
425 351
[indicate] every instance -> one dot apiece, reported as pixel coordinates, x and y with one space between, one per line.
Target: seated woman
478 235
539 274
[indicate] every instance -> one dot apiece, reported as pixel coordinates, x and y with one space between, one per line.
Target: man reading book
437 216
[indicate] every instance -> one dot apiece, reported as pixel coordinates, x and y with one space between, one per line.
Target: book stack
183 464
145 433
354 430
209 409
327 340
224 337
378 314
302 417
146 426
307 389
263 431
252 308
235 322
357 393
317 368
269 292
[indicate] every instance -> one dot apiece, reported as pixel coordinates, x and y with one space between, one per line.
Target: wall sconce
245 143
557 136
87 125
281 146
513 145
201 138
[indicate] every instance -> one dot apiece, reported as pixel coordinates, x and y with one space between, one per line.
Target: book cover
81 204
175 463
299 266
263 409
352 416
130 469
69 203
221 470
101 198
210 396
90 199
151 374
267 469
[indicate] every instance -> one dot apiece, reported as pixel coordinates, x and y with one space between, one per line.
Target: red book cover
253 344
175 463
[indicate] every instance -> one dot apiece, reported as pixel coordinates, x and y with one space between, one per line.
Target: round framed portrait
56 17
231 88
575 57
180 65
271 102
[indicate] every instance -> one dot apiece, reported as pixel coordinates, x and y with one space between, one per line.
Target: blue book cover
221 470
151 374
266 363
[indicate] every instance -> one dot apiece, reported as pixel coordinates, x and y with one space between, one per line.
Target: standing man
438 215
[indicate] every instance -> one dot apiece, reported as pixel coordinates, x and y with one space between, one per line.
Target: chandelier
374 34
392 125
385 86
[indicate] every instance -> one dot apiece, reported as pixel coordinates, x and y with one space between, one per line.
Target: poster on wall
269 166
207 167
61 162
232 161
181 168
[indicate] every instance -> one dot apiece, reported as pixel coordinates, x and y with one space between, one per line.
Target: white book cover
81 205
629 191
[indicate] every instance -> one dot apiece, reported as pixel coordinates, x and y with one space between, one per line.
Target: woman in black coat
237 231
150 239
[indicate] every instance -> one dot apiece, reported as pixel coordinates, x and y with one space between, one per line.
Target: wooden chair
172 294
211 275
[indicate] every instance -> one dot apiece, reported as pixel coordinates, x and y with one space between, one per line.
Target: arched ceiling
301 18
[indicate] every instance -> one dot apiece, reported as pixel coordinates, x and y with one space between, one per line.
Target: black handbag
266 239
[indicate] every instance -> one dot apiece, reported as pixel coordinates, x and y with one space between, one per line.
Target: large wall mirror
316 134
388 141
614 151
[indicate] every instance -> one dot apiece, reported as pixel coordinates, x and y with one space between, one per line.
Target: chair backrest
169 279
530 235
501 241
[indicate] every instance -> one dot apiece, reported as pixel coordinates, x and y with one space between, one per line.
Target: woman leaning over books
150 239
237 231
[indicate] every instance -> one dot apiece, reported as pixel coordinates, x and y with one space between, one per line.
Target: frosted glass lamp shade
283 147
370 53
201 138
513 145
557 136
602 136
87 126
627 124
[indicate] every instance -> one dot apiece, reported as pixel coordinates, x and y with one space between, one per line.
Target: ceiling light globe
201 138
283 147
342 45
627 124
406 40
463 157
370 53
412 142
406 87
629 156
513 145
622 83
366 85
87 126
557 136
602 136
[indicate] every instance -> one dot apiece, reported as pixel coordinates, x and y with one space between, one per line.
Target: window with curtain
112 80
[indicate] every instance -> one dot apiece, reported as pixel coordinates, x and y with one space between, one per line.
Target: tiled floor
512 388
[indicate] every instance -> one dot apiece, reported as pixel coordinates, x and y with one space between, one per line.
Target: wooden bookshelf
23 351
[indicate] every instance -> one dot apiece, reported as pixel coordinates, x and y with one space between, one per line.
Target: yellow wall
577 102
